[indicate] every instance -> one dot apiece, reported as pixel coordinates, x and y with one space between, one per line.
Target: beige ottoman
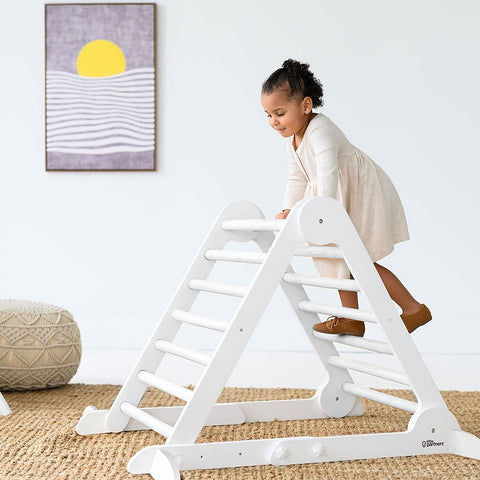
39 345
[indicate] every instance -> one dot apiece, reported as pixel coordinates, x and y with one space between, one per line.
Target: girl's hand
283 214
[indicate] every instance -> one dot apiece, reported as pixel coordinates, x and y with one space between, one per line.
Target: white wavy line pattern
101 115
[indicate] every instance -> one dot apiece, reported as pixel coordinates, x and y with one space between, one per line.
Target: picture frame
100 87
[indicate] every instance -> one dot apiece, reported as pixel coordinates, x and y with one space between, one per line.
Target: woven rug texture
39 442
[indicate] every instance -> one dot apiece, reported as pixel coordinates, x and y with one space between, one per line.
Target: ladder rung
384 398
199 321
146 419
235 256
369 369
217 287
316 281
184 352
336 311
165 385
319 252
255 225
359 342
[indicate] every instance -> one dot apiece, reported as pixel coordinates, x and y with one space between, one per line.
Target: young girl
322 162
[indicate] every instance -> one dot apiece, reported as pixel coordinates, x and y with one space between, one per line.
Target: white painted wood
297 450
4 407
359 342
370 369
164 466
141 416
316 222
256 225
200 321
320 252
217 287
167 328
165 385
464 443
184 352
352 313
236 337
316 281
235 256
381 397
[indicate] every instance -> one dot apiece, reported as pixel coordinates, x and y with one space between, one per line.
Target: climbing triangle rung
235 256
381 397
146 419
316 281
336 311
320 252
359 342
165 385
255 225
200 321
218 287
184 352
369 369
259 257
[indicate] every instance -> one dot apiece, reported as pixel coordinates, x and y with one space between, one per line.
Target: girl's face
286 115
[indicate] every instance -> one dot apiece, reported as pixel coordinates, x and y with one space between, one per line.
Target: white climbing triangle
4 408
310 226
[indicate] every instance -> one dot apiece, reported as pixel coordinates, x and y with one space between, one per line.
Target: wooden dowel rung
352 313
146 419
235 256
165 385
184 352
319 252
380 397
200 321
359 342
218 287
316 281
253 225
369 369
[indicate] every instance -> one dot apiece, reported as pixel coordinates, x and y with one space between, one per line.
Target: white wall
400 77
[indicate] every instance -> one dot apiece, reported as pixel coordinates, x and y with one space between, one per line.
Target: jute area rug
38 441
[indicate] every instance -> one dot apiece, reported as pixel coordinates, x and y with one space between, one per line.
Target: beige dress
327 164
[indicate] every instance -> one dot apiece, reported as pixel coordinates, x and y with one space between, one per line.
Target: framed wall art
100 84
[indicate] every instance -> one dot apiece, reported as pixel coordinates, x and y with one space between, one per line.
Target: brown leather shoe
417 319
341 326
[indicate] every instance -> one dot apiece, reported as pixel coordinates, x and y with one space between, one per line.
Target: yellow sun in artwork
100 58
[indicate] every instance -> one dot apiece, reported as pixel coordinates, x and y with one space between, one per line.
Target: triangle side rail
261 289
150 358
338 229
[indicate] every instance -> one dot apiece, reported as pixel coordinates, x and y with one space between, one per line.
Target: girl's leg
397 291
414 314
348 299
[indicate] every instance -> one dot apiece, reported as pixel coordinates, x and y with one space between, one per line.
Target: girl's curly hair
300 80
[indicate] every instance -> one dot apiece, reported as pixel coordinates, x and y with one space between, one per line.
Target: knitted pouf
39 345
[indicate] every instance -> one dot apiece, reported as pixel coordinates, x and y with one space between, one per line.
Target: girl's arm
325 148
296 185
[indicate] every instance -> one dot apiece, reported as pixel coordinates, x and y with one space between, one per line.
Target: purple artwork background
68 29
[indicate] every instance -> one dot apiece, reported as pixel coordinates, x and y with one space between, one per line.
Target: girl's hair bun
294 68
300 81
